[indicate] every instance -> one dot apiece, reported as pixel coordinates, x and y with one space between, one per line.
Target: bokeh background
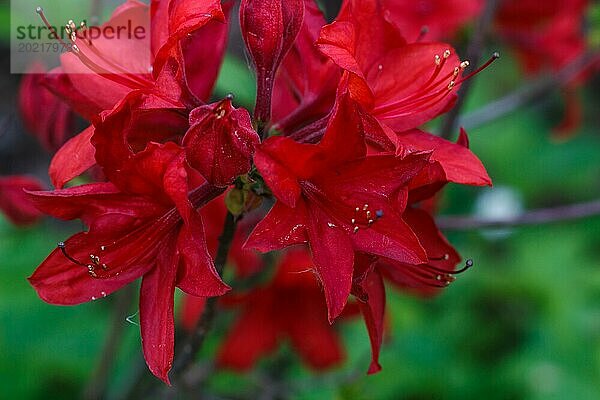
523 324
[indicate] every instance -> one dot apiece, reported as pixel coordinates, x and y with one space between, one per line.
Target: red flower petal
459 163
59 281
156 314
282 227
333 256
373 311
74 158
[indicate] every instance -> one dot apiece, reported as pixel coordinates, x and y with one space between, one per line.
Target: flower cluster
333 147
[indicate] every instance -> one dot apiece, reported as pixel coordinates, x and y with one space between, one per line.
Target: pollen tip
229 96
469 263
496 55
39 10
60 245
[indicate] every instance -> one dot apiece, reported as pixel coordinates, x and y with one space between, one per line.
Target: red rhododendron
338 107
96 78
144 226
402 85
339 200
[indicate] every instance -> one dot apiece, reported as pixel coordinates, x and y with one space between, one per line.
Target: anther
353 221
451 85
365 207
356 228
438 60
468 264
446 53
229 96
39 10
464 64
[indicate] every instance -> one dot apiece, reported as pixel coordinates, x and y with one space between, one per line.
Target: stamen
493 58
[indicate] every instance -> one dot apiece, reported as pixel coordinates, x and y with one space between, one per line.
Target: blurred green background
523 324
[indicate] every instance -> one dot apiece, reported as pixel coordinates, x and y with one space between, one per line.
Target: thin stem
533 217
474 52
196 338
97 385
528 93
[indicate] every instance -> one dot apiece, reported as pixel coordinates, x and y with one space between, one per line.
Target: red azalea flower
442 18
145 225
14 202
339 200
548 33
290 307
96 78
402 85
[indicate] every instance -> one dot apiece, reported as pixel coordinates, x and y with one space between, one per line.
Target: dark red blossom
402 85
14 202
290 307
549 34
339 200
155 233
95 78
544 33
